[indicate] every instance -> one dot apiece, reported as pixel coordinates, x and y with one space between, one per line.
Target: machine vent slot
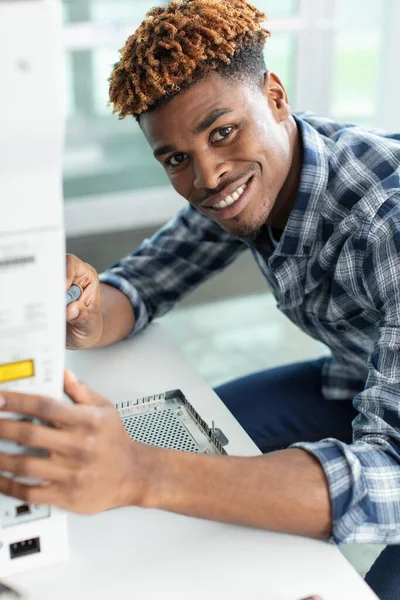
160 428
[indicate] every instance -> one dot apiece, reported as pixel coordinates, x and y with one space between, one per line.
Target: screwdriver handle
73 293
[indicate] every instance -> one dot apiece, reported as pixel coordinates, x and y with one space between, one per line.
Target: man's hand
102 315
92 464
84 316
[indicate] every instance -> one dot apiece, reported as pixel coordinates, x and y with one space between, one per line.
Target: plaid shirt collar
289 260
300 232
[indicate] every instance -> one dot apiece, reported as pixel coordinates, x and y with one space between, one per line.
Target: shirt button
341 327
306 249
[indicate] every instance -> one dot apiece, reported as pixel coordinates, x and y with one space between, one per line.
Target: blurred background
335 57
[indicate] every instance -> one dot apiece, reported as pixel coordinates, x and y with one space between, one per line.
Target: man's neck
287 196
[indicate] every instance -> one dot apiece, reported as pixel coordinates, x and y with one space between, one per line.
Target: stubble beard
250 232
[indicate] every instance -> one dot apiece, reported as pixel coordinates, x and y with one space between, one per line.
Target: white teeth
230 199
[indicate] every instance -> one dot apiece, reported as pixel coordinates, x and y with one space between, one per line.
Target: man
318 205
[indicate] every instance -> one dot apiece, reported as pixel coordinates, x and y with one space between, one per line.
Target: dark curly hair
179 44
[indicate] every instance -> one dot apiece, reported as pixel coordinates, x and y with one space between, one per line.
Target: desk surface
134 553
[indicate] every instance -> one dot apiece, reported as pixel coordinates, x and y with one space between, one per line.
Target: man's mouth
230 199
223 207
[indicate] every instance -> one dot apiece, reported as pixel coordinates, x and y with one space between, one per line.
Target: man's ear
276 95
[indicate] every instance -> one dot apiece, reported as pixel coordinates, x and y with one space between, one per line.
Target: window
279 57
107 10
103 155
278 8
357 57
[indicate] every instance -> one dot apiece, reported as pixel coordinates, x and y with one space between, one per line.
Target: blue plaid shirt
336 274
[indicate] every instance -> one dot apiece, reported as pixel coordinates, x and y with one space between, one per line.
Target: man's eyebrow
210 119
203 126
163 150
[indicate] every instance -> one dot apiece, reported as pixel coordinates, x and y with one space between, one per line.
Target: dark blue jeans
285 405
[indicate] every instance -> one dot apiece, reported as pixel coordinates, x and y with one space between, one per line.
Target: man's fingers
83 275
49 410
84 306
80 393
37 436
76 390
40 407
32 467
79 272
43 494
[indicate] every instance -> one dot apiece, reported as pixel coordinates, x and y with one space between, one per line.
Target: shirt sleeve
180 256
364 477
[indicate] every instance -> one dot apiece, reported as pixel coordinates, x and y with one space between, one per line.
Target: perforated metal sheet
168 420
161 428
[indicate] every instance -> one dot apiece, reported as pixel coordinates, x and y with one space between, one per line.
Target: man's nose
209 172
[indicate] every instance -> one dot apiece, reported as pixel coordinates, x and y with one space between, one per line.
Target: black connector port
22 509
20 549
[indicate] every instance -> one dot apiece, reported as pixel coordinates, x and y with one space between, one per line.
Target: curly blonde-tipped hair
180 43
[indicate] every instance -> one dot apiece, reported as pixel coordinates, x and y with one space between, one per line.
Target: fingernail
71 375
2 401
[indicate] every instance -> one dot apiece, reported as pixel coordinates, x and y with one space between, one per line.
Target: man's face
226 149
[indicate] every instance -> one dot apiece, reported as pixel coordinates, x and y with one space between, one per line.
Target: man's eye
221 133
175 160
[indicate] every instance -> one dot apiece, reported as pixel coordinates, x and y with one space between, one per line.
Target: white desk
138 554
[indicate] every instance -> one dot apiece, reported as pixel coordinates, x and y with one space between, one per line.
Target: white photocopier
32 248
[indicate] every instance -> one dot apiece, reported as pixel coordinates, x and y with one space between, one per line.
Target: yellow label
17 370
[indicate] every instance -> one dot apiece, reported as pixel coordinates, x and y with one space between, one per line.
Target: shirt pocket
357 329
362 321
350 338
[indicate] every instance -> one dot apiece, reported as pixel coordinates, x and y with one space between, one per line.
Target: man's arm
93 465
364 477
179 257
149 282
284 491
348 490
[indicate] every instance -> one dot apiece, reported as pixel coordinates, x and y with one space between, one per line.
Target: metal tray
169 420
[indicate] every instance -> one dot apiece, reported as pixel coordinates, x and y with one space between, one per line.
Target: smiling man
216 155
318 205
